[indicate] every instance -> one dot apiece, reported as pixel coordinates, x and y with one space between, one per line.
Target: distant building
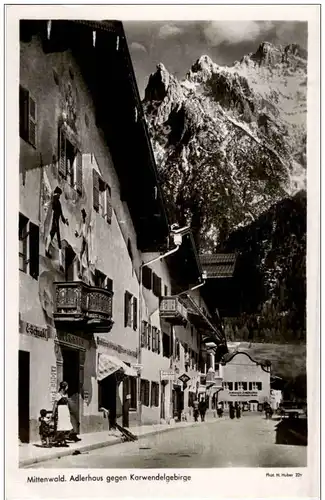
245 381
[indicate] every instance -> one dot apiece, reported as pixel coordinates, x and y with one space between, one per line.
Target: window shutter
62 153
147 277
158 338
126 308
32 121
79 172
23 113
250 386
95 190
109 209
33 250
149 336
135 313
143 334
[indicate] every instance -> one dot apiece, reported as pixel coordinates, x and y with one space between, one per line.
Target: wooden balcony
173 311
81 306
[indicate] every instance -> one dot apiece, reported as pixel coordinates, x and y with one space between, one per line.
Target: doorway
107 389
253 405
71 374
23 395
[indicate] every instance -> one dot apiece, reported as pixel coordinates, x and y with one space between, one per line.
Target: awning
108 364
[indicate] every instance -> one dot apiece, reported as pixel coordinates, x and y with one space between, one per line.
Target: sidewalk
33 453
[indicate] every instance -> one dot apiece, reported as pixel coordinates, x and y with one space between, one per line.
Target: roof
230 355
220 265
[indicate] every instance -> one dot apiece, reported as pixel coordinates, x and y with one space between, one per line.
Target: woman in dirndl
61 414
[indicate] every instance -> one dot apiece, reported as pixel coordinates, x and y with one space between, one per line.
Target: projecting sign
184 378
167 374
246 393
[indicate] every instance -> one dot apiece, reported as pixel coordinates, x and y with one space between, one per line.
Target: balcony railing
173 311
82 305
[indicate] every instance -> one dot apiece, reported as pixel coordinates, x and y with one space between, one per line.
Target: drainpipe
177 235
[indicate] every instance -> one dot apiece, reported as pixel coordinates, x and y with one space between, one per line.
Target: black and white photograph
162 234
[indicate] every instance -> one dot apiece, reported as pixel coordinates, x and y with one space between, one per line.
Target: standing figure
219 410
238 410
44 428
83 233
202 409
231 411
196 410
61 415
55 229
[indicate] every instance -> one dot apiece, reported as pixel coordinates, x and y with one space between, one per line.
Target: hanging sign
167 375
184 378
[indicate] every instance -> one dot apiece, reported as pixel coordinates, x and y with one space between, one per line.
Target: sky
178 44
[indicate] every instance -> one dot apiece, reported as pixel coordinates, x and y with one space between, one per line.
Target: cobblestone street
248 442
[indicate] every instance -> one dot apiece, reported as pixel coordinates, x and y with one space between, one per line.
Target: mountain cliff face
229 141
230 145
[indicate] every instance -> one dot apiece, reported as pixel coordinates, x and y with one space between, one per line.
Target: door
71 368
23 395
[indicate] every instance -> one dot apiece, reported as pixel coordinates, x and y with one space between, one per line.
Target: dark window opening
166 345
133 393
147 277
27 116
144 391
127 309
154 394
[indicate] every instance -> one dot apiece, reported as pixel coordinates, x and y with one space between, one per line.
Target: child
44 428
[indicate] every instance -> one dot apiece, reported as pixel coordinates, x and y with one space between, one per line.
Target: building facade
244 381
92 215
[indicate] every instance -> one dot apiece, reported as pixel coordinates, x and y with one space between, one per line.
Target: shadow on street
292 431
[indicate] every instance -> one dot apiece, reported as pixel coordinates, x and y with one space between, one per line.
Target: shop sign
184 378
245 393
34 330
115 347
74 340
167 375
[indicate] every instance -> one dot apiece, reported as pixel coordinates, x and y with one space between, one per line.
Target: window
244 386
27 116
228 386
156 285
259 386
129 246
99 279
70 162
133 393
144 391
28 234
69 263
253 386
166 345
154 394
127 309
147 277
102 201
166 290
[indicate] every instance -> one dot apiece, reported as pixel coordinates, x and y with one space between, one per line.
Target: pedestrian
219 410
61 415
55 229
202 409
238 411
196 410
45 428
231 411
82 232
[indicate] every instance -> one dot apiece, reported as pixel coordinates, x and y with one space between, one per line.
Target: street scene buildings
115 299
